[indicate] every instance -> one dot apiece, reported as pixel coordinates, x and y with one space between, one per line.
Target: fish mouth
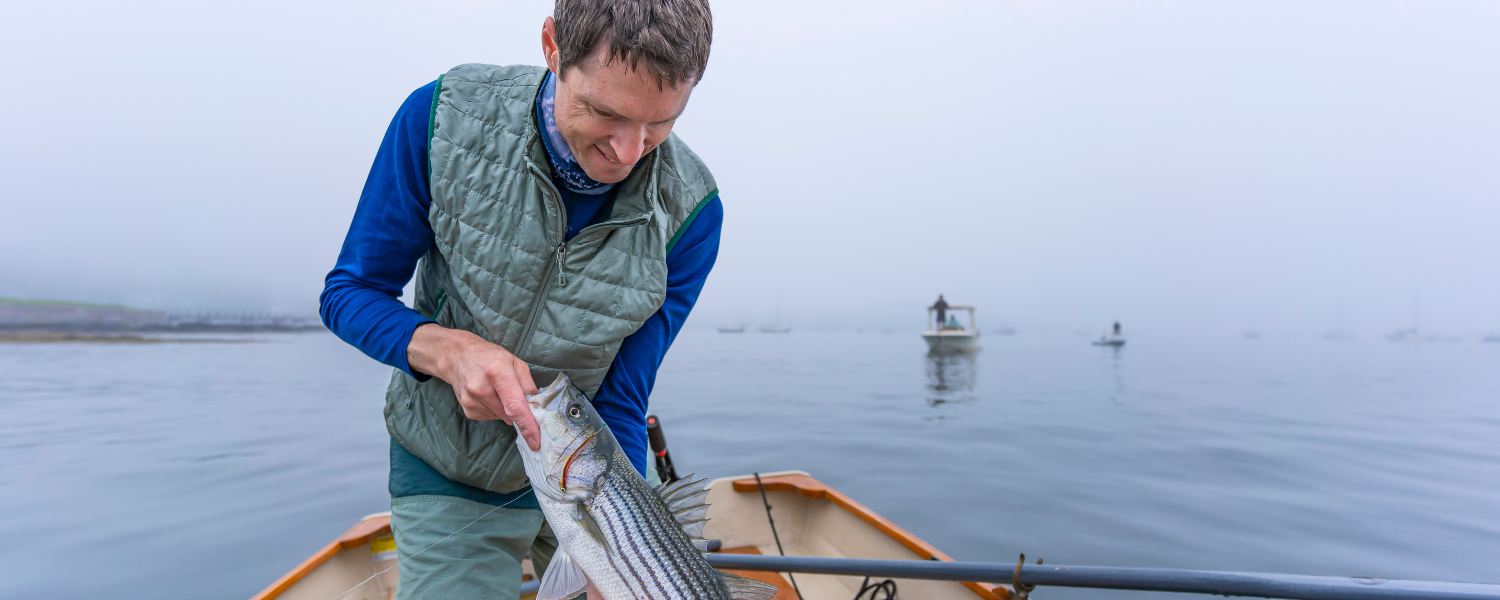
568 466
543 398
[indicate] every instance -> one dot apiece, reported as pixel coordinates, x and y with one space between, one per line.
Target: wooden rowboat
812 519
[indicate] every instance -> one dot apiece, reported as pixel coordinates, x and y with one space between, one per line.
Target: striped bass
615 533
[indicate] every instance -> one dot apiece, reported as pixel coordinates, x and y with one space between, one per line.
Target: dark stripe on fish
612 515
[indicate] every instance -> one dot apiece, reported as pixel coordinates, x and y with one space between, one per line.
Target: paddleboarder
552 224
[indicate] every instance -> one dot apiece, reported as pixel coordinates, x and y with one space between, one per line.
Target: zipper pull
562 278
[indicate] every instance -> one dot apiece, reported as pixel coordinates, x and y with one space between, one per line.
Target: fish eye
574 412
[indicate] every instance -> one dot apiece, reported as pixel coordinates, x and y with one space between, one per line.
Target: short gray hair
669 37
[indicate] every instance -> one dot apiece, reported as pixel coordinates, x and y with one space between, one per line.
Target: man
941 307
554 225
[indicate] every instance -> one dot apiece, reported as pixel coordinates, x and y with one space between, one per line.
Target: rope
888 586
429 546
1021 591
776 535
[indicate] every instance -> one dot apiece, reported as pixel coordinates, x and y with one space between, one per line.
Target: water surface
208 470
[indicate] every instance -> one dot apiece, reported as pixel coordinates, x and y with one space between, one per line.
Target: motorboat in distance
946 333
732 328
1113 340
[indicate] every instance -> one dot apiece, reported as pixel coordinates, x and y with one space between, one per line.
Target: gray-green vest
499 266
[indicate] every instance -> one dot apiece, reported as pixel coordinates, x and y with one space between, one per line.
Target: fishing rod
664 467
1223 583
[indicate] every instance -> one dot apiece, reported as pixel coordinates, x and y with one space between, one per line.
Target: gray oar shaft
1263 585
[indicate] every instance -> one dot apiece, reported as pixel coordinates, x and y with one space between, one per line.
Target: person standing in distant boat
941 306
1117 329
554 224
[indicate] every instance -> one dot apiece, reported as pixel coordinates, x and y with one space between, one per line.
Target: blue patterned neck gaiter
564 167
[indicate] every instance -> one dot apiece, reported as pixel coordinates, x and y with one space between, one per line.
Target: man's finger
475 408
489 397
478 412
519 413
523 375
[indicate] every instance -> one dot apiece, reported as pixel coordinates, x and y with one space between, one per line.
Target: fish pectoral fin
563 579
744 588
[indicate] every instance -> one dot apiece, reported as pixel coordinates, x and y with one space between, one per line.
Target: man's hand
491 383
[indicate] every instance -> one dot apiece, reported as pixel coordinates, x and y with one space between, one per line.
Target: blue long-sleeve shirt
390 232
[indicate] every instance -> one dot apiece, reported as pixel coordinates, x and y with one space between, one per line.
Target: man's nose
629 145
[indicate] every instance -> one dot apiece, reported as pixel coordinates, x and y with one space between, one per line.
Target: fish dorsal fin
563 578
682 494
744 588
684 499
668 488
696 512
694 529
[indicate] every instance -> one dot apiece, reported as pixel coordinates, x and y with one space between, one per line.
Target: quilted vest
499 265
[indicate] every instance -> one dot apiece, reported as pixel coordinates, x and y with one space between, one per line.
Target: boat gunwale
365 531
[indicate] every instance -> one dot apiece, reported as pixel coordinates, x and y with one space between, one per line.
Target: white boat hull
951 341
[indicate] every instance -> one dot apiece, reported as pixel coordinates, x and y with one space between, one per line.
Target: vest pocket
441 302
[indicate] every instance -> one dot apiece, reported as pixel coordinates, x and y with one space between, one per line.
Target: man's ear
550 50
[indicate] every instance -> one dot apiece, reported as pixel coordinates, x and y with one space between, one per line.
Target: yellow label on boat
383 548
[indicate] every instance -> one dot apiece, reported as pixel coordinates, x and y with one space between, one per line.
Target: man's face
611 115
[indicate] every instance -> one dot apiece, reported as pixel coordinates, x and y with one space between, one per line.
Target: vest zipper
559 254
535 312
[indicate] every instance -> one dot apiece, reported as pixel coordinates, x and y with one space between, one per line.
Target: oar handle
1264 585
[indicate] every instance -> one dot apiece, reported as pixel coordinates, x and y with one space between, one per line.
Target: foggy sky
1180 166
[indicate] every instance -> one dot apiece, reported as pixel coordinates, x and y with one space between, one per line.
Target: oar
1263 585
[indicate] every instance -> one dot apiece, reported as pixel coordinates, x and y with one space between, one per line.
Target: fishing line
429 546
774 534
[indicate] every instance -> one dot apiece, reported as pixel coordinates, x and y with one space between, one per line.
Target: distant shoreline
39 337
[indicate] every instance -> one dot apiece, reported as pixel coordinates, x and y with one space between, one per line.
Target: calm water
207 470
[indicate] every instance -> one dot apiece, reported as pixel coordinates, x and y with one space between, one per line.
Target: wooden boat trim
808 487
363 532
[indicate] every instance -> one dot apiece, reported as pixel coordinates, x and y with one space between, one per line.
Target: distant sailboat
1339 335
776 327
1413 333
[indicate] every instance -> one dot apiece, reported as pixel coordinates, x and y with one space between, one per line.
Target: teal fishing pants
480 561
458 542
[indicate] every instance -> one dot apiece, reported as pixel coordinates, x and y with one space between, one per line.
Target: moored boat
812 519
